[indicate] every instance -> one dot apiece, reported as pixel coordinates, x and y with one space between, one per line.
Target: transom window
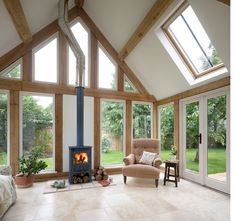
13 71
107 70
45 65
82 36
192 42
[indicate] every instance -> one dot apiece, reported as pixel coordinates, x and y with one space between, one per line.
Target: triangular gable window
13 71
128 86
191 45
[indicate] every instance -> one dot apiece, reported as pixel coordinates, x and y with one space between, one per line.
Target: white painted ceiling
118 19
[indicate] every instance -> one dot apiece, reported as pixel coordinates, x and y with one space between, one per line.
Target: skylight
192 43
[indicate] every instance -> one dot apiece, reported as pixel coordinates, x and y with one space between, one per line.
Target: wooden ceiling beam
79 3
227 2
149 20
17 15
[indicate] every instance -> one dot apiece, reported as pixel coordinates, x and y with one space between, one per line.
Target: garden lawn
3 158
112 158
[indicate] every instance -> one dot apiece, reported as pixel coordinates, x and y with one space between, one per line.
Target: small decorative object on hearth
59 184
100 173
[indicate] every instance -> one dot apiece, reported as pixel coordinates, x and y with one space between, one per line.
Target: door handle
200 138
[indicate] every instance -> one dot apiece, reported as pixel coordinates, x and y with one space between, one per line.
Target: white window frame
25 93
8 124
124 129
113 62
76 20
36 49
141 102
12 66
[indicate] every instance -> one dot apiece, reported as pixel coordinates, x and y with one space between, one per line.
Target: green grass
48 161
3 158
216 160
112 158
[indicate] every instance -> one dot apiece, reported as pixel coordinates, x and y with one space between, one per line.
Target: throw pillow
147 158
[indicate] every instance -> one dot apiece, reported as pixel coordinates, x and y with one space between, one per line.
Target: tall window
13 71
142 120
166 128
45 62
37 125
197 51
3 128
107 71
82 36
112 132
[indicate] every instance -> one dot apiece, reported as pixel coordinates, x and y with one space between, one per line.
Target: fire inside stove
80 158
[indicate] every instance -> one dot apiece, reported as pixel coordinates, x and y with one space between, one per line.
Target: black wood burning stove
80 156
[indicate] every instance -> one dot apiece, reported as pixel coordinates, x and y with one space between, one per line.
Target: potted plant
174 151
29 164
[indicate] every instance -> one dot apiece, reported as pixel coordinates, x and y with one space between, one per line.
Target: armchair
135 164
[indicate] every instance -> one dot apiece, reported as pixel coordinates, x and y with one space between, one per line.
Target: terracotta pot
24 181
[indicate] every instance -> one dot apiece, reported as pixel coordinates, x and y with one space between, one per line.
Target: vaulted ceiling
118 20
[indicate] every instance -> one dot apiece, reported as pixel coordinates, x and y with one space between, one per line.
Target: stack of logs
100 173
81 178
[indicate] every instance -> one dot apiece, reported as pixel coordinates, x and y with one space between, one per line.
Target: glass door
205 140
192 140
216 156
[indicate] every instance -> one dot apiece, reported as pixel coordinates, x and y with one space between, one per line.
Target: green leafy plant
174 150
30 162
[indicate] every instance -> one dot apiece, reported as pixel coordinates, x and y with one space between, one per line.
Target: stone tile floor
138 200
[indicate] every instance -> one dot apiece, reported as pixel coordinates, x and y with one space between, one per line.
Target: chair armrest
157 162
129 159
5 170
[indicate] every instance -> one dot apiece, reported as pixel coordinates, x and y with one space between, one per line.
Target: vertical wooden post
94 62
14 131
97 132
154 118
120 82
128 127
176 125
58 132
27 67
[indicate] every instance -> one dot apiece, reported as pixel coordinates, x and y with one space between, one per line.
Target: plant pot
23 181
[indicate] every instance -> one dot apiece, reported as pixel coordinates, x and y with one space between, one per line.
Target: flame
81 158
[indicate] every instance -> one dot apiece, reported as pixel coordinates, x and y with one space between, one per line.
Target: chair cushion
141 170
148 158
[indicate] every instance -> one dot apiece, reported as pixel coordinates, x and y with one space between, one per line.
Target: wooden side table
168 165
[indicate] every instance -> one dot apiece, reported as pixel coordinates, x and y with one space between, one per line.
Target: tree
167 126
3 122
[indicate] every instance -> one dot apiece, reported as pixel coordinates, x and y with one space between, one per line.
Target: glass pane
142 121
198 47
216 138
190 47
3 128
112 131
202 37
192 140
167 130
14 73
38 125
82 38
128 86
45 63
106 71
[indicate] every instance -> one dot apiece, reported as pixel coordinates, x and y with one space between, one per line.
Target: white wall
69 125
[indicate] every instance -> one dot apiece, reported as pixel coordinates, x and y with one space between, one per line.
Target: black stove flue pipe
80 116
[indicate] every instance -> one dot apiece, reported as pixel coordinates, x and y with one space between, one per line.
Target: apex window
191 41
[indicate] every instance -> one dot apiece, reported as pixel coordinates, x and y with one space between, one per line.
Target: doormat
70 187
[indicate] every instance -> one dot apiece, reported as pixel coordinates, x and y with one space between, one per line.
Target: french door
205 139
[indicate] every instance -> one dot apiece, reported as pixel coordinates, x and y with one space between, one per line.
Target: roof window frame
178 48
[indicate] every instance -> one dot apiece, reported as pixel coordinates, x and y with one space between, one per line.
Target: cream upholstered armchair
144 161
